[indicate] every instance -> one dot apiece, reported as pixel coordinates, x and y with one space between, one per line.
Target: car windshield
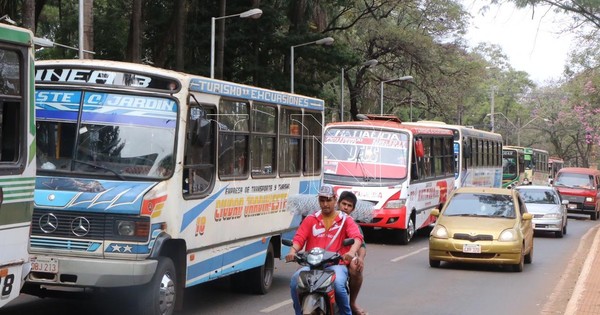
480 205
539 196
115 135
574 180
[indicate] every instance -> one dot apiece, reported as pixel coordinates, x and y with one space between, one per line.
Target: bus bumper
99 273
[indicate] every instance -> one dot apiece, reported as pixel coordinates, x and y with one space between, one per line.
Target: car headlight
508 235
554 215
589 199
439 231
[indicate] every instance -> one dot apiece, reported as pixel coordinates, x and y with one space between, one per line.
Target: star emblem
127 249
116 248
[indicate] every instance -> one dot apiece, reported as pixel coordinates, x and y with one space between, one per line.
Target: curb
585 271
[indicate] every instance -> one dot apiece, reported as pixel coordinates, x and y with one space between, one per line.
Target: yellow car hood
476 225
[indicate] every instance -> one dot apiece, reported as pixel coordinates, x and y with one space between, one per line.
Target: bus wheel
405 235
261 278
158 296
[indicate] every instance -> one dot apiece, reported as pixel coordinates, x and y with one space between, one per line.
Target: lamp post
520 127
323 41
404 78
253 14
492 94
368 64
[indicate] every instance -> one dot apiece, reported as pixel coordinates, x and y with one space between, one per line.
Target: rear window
481 205
573 180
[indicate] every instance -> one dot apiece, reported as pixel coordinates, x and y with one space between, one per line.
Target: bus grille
78 225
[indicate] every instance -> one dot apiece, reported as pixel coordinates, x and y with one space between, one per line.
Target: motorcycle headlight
315 257
508 235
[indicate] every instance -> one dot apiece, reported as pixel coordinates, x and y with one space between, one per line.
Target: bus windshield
115 134
365 154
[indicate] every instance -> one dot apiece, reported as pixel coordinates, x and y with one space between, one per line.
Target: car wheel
519 267
560 233
434 263
594 216
529 257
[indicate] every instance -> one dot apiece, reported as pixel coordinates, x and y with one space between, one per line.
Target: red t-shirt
312 233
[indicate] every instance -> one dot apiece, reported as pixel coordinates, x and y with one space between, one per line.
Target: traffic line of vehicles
117 175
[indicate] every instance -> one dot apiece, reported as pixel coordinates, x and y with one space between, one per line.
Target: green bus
17 157
524 166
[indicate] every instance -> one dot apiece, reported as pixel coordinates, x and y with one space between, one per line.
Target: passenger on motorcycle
347 204
327 229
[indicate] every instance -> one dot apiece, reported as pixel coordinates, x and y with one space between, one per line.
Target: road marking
276 306
397 259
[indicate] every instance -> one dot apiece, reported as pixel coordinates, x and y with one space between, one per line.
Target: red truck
581 187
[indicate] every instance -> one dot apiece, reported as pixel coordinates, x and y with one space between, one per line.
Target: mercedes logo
48 223
80 226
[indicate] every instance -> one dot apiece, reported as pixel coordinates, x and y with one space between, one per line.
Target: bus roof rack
378 117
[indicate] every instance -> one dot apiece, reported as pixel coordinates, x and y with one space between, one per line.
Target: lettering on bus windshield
366 137
103 77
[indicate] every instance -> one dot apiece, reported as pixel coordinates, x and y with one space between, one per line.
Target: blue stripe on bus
208 266
117 117
194 212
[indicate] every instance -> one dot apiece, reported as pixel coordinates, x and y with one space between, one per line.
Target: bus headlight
131 229
126 228
395 204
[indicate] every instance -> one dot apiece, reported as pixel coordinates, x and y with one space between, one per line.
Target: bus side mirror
200 131
419 150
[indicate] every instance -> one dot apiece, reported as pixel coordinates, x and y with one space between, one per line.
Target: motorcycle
315 287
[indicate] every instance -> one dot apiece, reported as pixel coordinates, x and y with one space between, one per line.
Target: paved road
398 280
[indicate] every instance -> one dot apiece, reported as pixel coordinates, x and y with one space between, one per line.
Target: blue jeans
342 298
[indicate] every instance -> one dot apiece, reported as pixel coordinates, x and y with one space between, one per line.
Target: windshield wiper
359 162
102 167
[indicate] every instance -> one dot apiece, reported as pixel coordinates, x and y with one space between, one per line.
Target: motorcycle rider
327 229
347 204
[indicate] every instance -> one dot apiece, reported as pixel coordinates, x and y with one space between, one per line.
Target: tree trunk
29 15
180 16
134 43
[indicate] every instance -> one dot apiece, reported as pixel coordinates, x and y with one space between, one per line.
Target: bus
554 165
524 166
403 170
162 180
477 155
17 157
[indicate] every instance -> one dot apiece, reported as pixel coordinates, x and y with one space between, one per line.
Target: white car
548 209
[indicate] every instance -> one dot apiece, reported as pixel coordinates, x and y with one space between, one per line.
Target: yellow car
482 226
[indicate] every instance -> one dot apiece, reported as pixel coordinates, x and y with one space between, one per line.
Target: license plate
572 206
472 248
49 265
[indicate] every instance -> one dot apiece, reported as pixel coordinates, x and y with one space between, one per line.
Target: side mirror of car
527 216
565 202
435 213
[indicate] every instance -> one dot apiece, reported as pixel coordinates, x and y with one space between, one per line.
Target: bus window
199 162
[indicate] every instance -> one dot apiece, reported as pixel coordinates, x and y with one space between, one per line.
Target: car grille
537 216
473 238
471 255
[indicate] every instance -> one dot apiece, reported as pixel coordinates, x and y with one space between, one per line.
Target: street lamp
404 78
253 14
520 127
323 41
367 64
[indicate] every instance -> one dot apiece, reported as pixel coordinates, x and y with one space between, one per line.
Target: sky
535 44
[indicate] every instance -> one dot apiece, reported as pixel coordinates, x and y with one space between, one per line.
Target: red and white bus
404 171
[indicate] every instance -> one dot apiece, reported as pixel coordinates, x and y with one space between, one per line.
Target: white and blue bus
477 155
17 157
163 180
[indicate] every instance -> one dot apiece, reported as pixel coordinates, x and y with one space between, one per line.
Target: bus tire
405 235
260 278
158 297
